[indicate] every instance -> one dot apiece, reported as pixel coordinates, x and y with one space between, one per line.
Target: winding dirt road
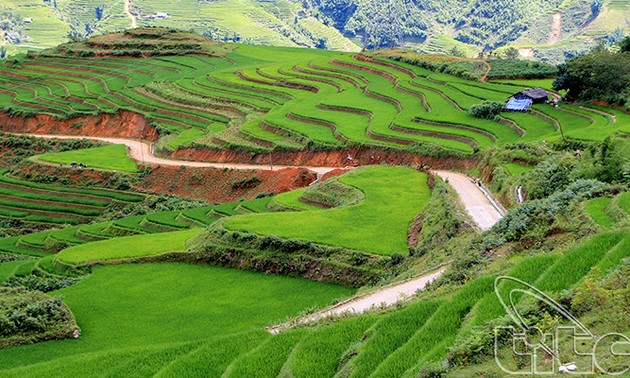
480 207
142 152
132 17
385 296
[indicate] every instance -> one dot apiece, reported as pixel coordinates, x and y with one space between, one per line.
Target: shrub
27 316
359 258
44 284
486 109
397 258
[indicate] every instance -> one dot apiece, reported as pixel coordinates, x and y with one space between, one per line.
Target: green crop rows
41 203
261 98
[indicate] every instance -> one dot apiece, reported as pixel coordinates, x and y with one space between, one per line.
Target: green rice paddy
393 197
113 157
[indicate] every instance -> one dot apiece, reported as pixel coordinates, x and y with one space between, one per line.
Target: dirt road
132 17
386 296
142 152
478 205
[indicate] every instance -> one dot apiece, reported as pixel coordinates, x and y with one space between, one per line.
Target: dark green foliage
486 23
520 69
291 257
486 109
607 162
332 193
440 221
534 216
624 45
359 258
464 69
550 175
598 75
6 257
397 258
40 283
27 316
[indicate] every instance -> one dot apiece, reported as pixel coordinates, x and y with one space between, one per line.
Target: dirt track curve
481 208
385 296
134 20
478 205
142 152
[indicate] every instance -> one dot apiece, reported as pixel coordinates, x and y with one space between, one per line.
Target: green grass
113 194
123 308
574 265
441 327
268 358
388 334
596 208
318 355
393 197
529 83
128 247
196 98
8 269
113 157
516 169
624 202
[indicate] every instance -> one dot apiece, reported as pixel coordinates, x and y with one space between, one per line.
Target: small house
161 15
537 95
28 20
523 100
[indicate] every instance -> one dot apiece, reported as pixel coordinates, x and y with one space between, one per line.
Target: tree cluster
598 75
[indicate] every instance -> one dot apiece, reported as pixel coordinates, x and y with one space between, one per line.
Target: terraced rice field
387 344
112 157
49 204
393 197
187 222
264 98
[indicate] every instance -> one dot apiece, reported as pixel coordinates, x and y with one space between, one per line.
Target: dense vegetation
435 26
30 316
598 75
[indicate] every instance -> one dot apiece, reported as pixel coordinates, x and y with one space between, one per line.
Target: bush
397 258
38 283
487 109
27 316
359 258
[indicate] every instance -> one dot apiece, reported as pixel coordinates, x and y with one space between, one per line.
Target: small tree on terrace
511 53
487 109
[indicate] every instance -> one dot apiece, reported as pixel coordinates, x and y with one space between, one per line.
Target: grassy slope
393 197
119 248
112 157
131 306
597 210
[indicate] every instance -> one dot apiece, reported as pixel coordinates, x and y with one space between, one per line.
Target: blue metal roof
518 105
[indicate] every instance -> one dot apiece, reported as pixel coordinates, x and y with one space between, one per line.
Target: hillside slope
538 27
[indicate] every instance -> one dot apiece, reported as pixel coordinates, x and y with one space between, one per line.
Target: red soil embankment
218 185
337 158
124 124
